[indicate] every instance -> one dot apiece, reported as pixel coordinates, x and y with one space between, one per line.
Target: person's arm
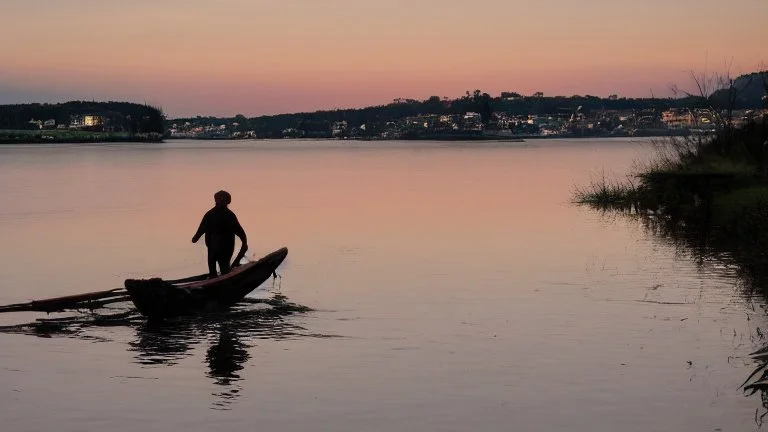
240 232
200 230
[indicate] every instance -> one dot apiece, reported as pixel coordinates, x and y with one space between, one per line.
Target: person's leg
212 264
224 259
224 264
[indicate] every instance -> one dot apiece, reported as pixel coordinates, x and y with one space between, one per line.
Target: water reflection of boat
229 337
168 341
159 299
162 344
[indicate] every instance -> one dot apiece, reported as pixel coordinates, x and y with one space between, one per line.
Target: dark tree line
375 117
117 116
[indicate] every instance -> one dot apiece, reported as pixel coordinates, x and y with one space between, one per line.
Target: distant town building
93 120
338 128
76 121
473 121
675 118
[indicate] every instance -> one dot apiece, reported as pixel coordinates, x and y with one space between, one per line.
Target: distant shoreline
491 138
82 137
73 137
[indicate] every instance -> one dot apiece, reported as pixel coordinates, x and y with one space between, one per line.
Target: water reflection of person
225 358
220 226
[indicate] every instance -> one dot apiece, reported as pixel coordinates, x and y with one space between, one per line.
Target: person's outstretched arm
200 231
240 232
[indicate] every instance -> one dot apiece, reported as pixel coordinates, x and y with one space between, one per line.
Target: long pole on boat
69 302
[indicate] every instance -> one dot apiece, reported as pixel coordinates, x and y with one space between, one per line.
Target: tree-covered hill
748 91
113 116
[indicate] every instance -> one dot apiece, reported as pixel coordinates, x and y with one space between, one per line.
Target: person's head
222 198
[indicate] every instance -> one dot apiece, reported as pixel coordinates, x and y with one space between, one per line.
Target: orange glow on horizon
261 57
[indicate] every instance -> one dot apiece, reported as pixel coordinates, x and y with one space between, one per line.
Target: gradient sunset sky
223 57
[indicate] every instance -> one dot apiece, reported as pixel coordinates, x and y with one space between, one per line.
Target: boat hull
158 299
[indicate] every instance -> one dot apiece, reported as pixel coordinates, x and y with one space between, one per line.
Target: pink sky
223 57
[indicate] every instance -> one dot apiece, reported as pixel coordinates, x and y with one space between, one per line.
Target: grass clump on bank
604 193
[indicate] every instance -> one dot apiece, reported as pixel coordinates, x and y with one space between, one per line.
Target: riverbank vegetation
708 193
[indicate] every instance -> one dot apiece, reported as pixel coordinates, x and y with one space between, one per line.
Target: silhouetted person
220 226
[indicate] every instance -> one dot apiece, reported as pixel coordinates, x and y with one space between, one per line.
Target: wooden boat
157 298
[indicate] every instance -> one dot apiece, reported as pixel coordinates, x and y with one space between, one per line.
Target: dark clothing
220 226
222 257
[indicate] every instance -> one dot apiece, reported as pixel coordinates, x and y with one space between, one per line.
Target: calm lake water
453 288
